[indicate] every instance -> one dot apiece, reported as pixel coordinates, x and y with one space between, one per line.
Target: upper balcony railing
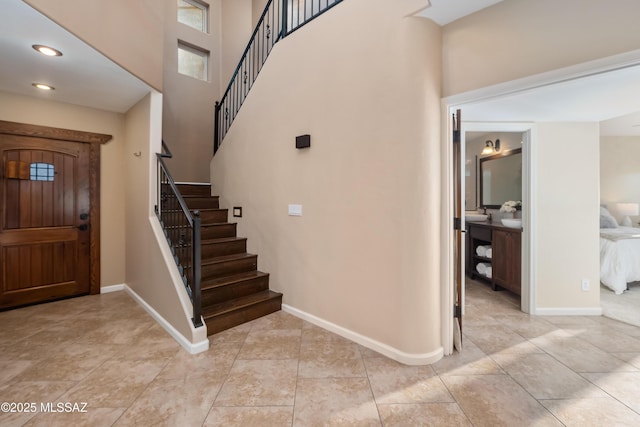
279 19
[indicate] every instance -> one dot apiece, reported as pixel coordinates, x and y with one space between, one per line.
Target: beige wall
141 36
150 270
619 170
188 103
565 227
258 7
365 253
518 38
236 28
22 109
109 26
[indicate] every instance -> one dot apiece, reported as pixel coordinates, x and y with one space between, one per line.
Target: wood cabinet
506 259
507 264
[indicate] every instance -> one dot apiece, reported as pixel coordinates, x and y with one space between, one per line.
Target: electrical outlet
585 284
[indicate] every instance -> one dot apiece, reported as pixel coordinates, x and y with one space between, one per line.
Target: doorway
493 182
50 216
527 99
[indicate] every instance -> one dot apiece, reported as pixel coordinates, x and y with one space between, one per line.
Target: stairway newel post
216 128
284 18
197 271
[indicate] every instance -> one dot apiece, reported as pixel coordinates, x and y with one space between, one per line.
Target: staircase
233 290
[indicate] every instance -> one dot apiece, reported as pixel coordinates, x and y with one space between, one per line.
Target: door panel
457 212
44 255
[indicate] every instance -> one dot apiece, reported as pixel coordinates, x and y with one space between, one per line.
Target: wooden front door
47 236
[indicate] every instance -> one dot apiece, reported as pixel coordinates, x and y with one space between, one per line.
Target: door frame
527 296
95 140
451 103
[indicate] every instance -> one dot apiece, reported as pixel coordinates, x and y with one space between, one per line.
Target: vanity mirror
501 178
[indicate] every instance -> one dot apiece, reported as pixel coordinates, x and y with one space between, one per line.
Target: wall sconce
626 210
490 147
303 141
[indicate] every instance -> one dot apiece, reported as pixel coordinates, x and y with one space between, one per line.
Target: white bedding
619 257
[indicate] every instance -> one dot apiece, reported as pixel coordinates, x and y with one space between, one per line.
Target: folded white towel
481 268
489 252
488 272
482 250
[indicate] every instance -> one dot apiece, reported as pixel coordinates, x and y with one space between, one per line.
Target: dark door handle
84 216
83 227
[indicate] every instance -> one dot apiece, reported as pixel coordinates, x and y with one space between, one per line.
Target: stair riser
246 314
208 217
228 268
202 203
194 190
236 290
211 250
218 231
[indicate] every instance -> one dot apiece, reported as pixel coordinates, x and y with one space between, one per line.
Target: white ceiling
611 98
82 76
445 11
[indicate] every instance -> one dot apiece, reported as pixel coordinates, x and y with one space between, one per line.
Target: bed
619 255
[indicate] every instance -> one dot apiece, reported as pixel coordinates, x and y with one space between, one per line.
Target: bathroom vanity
505 261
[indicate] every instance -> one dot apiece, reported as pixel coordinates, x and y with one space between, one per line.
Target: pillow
635 220
606 219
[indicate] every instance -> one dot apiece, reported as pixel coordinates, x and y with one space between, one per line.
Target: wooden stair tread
231 279
225 258
215 224
215 310
222 240
209 209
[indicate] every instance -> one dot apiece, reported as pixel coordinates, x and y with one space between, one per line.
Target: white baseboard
112 288
192 348
391 352
586 311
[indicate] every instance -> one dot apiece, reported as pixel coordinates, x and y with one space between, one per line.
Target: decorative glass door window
41 172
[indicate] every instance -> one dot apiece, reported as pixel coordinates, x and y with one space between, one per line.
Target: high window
194 14
192 61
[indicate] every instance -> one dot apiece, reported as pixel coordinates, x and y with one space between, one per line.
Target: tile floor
625 307
281 371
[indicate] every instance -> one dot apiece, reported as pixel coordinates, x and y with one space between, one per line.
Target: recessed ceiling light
46 50
43 86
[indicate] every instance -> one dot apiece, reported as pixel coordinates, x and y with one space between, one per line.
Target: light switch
295 210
